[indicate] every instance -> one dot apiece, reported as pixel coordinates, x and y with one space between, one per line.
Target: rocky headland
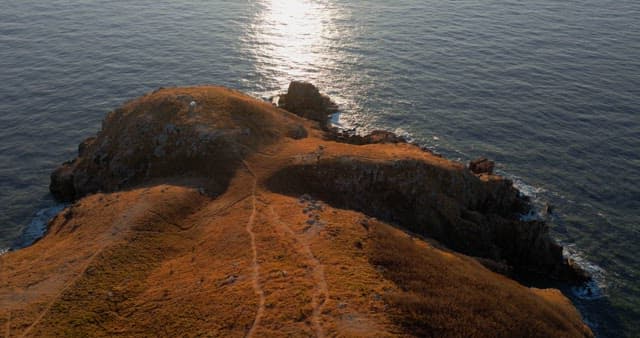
204 212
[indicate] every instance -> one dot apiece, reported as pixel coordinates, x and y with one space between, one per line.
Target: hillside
204 212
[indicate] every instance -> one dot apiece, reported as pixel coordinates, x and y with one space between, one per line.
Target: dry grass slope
446 295
159 257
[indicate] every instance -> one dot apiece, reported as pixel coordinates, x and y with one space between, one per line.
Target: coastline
77 179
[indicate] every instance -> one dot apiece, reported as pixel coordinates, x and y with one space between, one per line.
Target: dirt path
118 226
7 332
254 264
321 293
59 294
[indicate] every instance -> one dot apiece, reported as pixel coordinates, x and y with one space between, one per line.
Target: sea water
548 89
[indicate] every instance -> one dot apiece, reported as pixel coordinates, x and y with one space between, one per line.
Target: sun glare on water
293 37
300 40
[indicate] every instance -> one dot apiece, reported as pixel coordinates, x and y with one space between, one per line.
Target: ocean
548 89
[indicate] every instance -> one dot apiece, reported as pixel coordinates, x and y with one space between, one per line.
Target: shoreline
290 156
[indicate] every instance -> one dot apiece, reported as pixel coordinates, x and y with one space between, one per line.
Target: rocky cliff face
469 210
204 211
475 215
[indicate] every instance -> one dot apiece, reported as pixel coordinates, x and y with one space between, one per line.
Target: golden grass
166 261
444 295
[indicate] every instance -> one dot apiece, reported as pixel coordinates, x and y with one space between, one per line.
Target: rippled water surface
549 89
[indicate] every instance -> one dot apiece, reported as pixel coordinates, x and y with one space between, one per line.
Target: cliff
202 211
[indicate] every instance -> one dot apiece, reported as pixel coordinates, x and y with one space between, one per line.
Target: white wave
538 211
3 251
597 286
594 288
528 190
404 134
337 120
533 215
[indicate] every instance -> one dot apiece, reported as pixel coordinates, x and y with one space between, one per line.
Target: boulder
305 100
481 166
383 136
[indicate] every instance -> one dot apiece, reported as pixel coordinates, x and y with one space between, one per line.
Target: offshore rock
305 100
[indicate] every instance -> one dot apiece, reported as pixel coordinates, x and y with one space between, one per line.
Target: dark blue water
549 89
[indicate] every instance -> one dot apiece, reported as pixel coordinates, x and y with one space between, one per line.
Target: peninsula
202 211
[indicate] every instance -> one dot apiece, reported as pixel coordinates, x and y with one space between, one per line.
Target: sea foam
594 288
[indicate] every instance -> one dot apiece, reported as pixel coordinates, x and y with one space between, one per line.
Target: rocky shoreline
470 210
181 165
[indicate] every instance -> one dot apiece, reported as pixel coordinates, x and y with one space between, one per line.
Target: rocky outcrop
205 211
160 136
375 137
305 100
473 215
481 166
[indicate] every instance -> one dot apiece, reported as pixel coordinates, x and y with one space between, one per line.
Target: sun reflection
292 38
306 40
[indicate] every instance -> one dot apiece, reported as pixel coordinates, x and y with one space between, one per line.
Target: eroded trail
50 304
7 332
121 228
321 292
254 264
